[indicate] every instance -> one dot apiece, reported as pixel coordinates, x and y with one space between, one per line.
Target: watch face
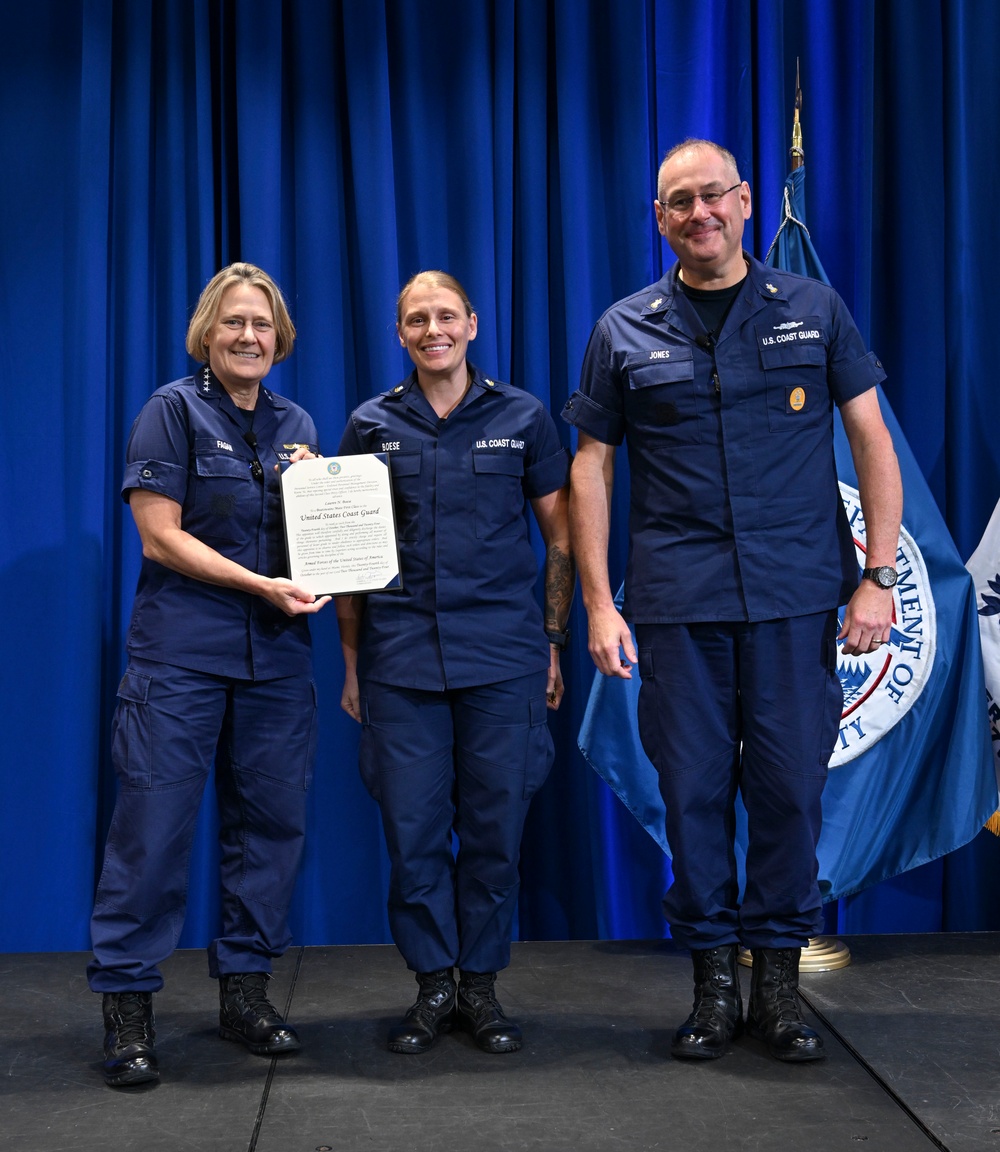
885 577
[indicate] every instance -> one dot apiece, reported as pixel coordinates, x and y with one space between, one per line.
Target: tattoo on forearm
560 581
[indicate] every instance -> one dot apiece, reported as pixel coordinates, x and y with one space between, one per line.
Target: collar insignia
770 287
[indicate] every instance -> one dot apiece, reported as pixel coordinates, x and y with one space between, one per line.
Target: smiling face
240 341
708 241
435 329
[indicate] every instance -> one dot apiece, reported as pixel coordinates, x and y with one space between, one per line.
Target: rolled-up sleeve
158 453
851 369
546 465
596 406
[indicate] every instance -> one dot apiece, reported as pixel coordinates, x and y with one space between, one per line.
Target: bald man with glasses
721 379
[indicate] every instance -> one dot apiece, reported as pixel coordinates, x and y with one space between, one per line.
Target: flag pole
823 953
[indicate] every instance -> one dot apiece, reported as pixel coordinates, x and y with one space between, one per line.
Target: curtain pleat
343 146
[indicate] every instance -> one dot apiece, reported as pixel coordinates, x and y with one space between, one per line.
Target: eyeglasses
682 205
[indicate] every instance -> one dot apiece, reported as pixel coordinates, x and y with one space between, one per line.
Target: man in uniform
722 379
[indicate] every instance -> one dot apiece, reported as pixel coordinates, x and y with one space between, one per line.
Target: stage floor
911 1029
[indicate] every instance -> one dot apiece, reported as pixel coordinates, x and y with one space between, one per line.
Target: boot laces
430 983
253 987
436 989
711 998
479 988
786 1005
786 1001
132 1019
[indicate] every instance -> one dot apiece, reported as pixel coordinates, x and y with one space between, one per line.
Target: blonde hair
207 310
434 278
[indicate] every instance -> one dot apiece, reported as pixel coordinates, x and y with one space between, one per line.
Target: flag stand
824 954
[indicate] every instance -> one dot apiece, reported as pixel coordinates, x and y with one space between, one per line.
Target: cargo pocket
131 738
368 754
540 752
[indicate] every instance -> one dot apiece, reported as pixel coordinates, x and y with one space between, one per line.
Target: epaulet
657 302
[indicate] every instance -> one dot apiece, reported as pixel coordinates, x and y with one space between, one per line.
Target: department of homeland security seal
880 688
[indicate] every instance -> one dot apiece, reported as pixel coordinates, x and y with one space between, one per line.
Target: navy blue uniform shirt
187 443
467 613
736 512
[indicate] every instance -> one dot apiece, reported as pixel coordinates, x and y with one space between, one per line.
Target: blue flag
911 777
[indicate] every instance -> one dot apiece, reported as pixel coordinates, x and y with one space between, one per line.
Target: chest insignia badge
797 399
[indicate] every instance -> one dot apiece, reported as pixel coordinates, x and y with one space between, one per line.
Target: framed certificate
340 529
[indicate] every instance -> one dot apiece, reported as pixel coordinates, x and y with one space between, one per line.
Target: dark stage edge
911 1031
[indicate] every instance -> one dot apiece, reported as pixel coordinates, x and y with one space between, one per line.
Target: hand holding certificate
340 530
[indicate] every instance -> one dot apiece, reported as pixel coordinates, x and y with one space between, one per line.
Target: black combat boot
430 1016
774 1015
129 1035
717 1016
481 1014
246 1015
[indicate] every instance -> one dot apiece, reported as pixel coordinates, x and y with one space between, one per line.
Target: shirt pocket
221 503
795 375
499 495
404 472
663 399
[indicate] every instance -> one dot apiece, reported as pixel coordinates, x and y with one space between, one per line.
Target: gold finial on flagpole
798 156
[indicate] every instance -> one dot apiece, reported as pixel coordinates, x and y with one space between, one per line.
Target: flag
911 777
984 567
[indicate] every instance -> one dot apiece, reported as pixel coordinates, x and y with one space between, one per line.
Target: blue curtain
343 146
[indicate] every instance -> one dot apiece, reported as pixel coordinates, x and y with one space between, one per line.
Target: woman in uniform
219 670
451 677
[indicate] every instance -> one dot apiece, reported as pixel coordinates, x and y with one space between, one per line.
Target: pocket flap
404 463
645 373
498 463
134 687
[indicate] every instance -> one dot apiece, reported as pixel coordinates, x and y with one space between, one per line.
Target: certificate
340 530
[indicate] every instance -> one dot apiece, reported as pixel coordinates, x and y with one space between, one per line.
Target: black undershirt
712 305
246 416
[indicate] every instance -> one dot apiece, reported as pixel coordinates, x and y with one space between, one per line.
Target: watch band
558 640
884 577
